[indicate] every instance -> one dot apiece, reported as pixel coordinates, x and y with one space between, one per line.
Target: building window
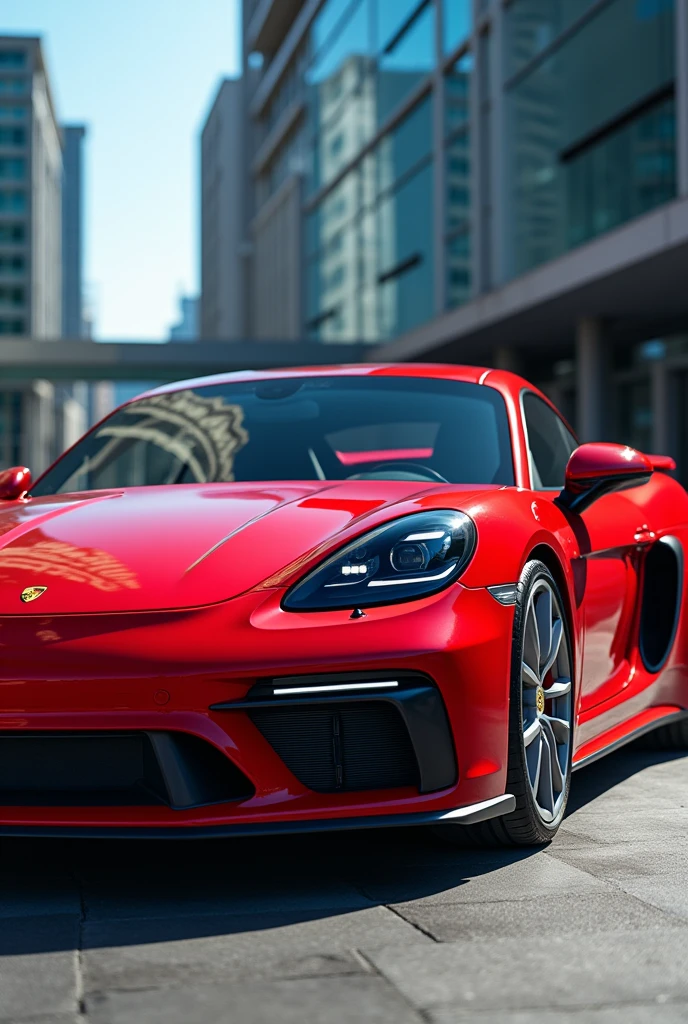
15 86
12 233
459 277
457 25
622 175
12 201
12 136
12 326
8 113
405 252
580 158
10 296
407 56
404 147
458 89
339 89
12 169
12 58
12 264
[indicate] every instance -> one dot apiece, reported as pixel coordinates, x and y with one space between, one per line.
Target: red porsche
326 599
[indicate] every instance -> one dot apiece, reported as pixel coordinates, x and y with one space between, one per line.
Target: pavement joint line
414 924
376 972
79 951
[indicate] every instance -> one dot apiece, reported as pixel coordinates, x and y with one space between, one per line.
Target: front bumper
470 815
191 672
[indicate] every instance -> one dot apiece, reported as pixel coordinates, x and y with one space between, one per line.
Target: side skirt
632 734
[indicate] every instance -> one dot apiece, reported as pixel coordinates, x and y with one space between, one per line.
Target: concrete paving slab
513 876
236 895
531 971
135 954
309 1001
42 978
581 913
43 894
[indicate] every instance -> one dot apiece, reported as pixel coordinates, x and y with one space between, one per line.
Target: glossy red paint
593 462
163 602
14 483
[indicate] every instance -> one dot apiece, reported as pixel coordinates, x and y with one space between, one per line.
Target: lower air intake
341 747
95 769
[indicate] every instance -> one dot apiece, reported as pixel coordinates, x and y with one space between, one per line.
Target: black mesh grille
89 769
341 747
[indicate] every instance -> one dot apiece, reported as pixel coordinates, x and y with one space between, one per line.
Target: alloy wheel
546 700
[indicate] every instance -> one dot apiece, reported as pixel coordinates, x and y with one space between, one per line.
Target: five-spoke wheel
546 699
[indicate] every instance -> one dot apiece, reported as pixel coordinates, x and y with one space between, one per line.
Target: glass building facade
445 151
387 112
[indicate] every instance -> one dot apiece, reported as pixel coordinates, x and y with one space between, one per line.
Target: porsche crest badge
31 593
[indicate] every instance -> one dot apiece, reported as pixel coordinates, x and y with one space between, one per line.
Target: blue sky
141 74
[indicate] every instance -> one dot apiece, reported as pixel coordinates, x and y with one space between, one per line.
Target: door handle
644 535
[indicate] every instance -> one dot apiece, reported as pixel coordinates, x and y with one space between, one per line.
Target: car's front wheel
540 719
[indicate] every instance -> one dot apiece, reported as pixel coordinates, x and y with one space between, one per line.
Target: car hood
156 548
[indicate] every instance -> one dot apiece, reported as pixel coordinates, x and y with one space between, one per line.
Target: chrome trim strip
392 684
480 812
505 593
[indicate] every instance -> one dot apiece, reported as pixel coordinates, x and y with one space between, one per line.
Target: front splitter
469 815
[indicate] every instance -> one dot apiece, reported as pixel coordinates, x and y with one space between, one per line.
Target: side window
550 444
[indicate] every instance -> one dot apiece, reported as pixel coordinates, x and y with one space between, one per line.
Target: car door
610 537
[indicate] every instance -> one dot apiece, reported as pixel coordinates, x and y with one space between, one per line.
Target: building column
682 95
664 408
591 397
504 358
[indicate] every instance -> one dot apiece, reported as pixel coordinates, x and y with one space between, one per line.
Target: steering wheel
419 471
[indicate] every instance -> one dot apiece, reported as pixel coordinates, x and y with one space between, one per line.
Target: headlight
407 558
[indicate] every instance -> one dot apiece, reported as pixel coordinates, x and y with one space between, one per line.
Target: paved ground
383 927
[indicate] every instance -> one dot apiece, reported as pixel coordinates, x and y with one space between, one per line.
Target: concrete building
224 286
496 182
30 240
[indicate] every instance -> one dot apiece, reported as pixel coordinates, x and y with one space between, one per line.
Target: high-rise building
73 321
223 305
30 240
186 329
503 183
40 251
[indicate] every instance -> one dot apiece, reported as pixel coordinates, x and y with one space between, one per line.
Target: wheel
540 720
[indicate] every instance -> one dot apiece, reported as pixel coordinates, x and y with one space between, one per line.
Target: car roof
468 374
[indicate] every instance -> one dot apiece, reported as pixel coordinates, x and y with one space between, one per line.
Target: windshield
312 428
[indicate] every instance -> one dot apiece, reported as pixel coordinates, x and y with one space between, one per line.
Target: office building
502 183
40 234
223 304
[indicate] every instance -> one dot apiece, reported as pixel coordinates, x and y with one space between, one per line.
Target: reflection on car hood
154 548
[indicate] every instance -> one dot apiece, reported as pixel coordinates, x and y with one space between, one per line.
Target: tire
539 808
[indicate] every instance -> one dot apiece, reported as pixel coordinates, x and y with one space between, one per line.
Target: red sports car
326 599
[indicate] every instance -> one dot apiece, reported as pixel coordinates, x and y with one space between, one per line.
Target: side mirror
596 469
14 483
